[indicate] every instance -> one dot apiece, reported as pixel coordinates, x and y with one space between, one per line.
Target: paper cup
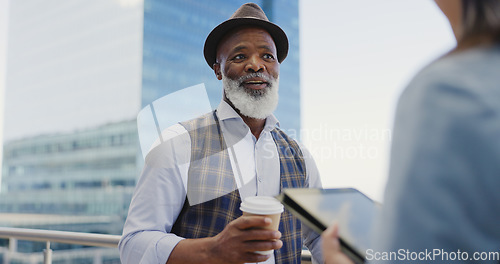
263 206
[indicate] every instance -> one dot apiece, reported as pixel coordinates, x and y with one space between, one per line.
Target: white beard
257 104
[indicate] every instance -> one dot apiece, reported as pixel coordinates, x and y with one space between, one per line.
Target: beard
257 104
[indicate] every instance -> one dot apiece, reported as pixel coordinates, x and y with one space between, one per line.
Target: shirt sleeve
312 240
157 201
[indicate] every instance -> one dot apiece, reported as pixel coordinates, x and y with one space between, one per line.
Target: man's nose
255 64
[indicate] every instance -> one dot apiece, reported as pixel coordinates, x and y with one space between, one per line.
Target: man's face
248 66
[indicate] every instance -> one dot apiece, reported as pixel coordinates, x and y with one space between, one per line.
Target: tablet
353 211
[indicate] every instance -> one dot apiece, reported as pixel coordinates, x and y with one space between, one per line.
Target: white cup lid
264 205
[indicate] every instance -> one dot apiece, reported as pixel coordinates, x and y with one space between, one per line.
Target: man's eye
268 56
238 57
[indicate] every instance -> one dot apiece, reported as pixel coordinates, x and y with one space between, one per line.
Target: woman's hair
481 22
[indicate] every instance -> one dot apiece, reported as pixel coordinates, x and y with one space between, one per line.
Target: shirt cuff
165 246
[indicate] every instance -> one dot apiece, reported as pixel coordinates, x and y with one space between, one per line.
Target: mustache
261 75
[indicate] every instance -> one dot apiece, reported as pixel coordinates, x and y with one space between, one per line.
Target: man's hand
241 238
331 247
235 244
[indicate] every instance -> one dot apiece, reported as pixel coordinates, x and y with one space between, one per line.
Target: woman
442 201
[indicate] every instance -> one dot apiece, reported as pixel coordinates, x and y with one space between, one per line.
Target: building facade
88 173
81 182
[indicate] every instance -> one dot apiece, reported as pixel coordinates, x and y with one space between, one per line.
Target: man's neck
256 125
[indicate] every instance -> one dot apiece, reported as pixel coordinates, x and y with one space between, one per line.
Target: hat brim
213 39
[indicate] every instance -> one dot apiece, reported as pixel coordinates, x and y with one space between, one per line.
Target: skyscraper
79 71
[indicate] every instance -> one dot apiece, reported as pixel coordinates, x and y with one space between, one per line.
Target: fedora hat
249 14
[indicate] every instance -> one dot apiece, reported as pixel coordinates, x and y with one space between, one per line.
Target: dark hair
481 22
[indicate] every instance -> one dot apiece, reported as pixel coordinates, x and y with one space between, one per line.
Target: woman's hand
331 247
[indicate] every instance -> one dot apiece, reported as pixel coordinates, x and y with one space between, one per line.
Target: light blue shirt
443 191
161 190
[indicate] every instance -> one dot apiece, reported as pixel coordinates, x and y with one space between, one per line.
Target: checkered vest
212 195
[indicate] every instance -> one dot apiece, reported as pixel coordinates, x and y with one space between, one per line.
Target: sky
356 58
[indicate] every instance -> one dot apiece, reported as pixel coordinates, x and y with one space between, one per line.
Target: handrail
87 239
79 238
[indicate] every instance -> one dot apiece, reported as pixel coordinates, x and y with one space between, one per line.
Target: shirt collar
225 112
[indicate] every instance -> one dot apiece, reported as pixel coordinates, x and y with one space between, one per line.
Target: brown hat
247 15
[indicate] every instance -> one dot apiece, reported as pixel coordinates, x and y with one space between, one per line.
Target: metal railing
87 239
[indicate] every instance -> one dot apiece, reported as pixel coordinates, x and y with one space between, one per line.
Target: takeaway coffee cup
266 206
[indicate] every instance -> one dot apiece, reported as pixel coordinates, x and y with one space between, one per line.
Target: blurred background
74 74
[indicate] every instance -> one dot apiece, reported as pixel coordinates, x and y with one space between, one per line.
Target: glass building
87 173
78 72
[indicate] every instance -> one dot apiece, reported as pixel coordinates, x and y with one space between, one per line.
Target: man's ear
217 71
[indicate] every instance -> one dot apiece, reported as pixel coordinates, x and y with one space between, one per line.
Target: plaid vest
213 199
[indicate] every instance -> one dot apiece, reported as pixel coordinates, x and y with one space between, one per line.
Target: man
186 205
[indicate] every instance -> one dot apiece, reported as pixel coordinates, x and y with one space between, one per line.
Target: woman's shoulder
474 72
474 61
